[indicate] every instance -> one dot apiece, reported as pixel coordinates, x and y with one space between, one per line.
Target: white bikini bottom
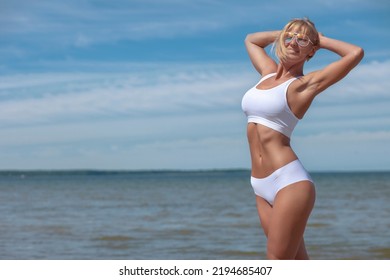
288 174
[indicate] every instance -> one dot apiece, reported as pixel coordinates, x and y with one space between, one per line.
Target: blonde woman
285 192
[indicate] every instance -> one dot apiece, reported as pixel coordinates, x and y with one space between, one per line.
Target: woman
285 193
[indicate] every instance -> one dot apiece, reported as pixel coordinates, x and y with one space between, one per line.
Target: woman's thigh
264 210
265 213
291 210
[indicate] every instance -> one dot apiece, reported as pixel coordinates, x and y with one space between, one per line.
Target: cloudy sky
148 84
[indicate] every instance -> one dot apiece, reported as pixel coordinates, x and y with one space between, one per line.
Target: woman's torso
270 123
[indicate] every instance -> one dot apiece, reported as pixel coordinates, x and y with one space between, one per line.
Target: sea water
180 215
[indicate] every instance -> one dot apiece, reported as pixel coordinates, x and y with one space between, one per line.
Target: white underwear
286 175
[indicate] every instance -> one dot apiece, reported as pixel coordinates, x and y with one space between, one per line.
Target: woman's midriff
269 150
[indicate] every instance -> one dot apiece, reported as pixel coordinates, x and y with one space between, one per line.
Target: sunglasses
301 39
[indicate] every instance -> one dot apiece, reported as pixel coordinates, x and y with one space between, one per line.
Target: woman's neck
289 71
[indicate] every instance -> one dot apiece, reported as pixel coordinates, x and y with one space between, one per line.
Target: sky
146 85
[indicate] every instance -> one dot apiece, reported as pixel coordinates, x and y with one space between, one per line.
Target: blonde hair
305 26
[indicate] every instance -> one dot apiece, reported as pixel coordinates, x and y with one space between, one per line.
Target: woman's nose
294 41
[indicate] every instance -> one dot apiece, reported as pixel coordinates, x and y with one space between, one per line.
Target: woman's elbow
359 54
247 38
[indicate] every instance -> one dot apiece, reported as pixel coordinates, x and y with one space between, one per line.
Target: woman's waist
273 160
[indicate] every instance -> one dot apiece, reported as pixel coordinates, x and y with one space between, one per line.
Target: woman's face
298 44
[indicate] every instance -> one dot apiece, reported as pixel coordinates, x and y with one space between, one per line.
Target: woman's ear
312 53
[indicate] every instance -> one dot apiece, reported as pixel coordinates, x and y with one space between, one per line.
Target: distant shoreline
157 171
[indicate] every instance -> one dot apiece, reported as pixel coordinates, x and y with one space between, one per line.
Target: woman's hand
320 39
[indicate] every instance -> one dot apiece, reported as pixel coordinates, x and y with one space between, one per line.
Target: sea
180 215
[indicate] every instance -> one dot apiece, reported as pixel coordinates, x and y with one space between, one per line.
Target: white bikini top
269 107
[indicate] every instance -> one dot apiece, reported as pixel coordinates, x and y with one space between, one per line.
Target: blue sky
142 84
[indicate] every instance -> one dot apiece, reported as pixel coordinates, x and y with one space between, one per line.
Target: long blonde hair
305 26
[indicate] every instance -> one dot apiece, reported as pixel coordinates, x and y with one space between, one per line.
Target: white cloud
170 112
65 97
80 22
360 102
192 141
367 82
68 22
204 153
348 150
46 98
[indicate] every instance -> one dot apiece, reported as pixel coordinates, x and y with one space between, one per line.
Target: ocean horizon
170 170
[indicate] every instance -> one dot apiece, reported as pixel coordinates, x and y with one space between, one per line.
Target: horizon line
171 170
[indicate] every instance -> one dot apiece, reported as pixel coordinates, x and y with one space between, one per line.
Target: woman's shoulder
305 83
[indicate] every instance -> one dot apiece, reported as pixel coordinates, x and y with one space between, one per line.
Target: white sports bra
269 107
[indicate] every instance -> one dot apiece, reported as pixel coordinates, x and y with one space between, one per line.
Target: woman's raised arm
350 56
255 44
